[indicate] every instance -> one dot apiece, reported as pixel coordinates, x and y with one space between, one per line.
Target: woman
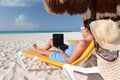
72 53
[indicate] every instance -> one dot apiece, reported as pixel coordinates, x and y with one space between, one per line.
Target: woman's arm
78 50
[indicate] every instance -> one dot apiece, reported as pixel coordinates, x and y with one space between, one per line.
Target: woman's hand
58 49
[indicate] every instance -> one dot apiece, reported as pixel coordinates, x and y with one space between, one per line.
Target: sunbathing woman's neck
88 38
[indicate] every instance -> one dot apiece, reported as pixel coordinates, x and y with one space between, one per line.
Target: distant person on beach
73 51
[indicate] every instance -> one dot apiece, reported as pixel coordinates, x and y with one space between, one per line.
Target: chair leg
35 58
22 63
68 71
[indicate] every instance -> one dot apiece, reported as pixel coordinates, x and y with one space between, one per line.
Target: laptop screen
58 39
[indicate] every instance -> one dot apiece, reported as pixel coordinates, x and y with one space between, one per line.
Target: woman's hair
87 23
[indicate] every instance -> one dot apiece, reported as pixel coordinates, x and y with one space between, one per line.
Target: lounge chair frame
67 68
70 69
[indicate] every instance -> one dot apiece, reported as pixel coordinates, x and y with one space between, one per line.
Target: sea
26 32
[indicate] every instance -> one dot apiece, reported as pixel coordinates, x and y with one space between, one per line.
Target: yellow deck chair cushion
30 53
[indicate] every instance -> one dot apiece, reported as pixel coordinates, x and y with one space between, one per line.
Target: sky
30 15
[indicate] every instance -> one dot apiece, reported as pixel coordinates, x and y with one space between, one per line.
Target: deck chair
30 53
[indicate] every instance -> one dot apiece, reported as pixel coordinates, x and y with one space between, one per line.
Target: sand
10 68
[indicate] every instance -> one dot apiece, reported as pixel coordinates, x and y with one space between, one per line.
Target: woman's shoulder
82 42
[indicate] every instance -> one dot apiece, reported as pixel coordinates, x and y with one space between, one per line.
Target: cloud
22 22
18 3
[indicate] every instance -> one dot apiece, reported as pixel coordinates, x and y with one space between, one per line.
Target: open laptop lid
58 39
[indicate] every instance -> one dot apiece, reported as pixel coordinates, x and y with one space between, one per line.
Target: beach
10 68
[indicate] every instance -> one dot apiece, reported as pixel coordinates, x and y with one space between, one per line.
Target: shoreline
32 32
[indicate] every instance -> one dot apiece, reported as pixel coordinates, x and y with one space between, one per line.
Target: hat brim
113 47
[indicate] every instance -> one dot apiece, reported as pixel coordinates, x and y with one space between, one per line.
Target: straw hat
106 33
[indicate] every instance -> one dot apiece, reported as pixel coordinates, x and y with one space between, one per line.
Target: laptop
58 41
